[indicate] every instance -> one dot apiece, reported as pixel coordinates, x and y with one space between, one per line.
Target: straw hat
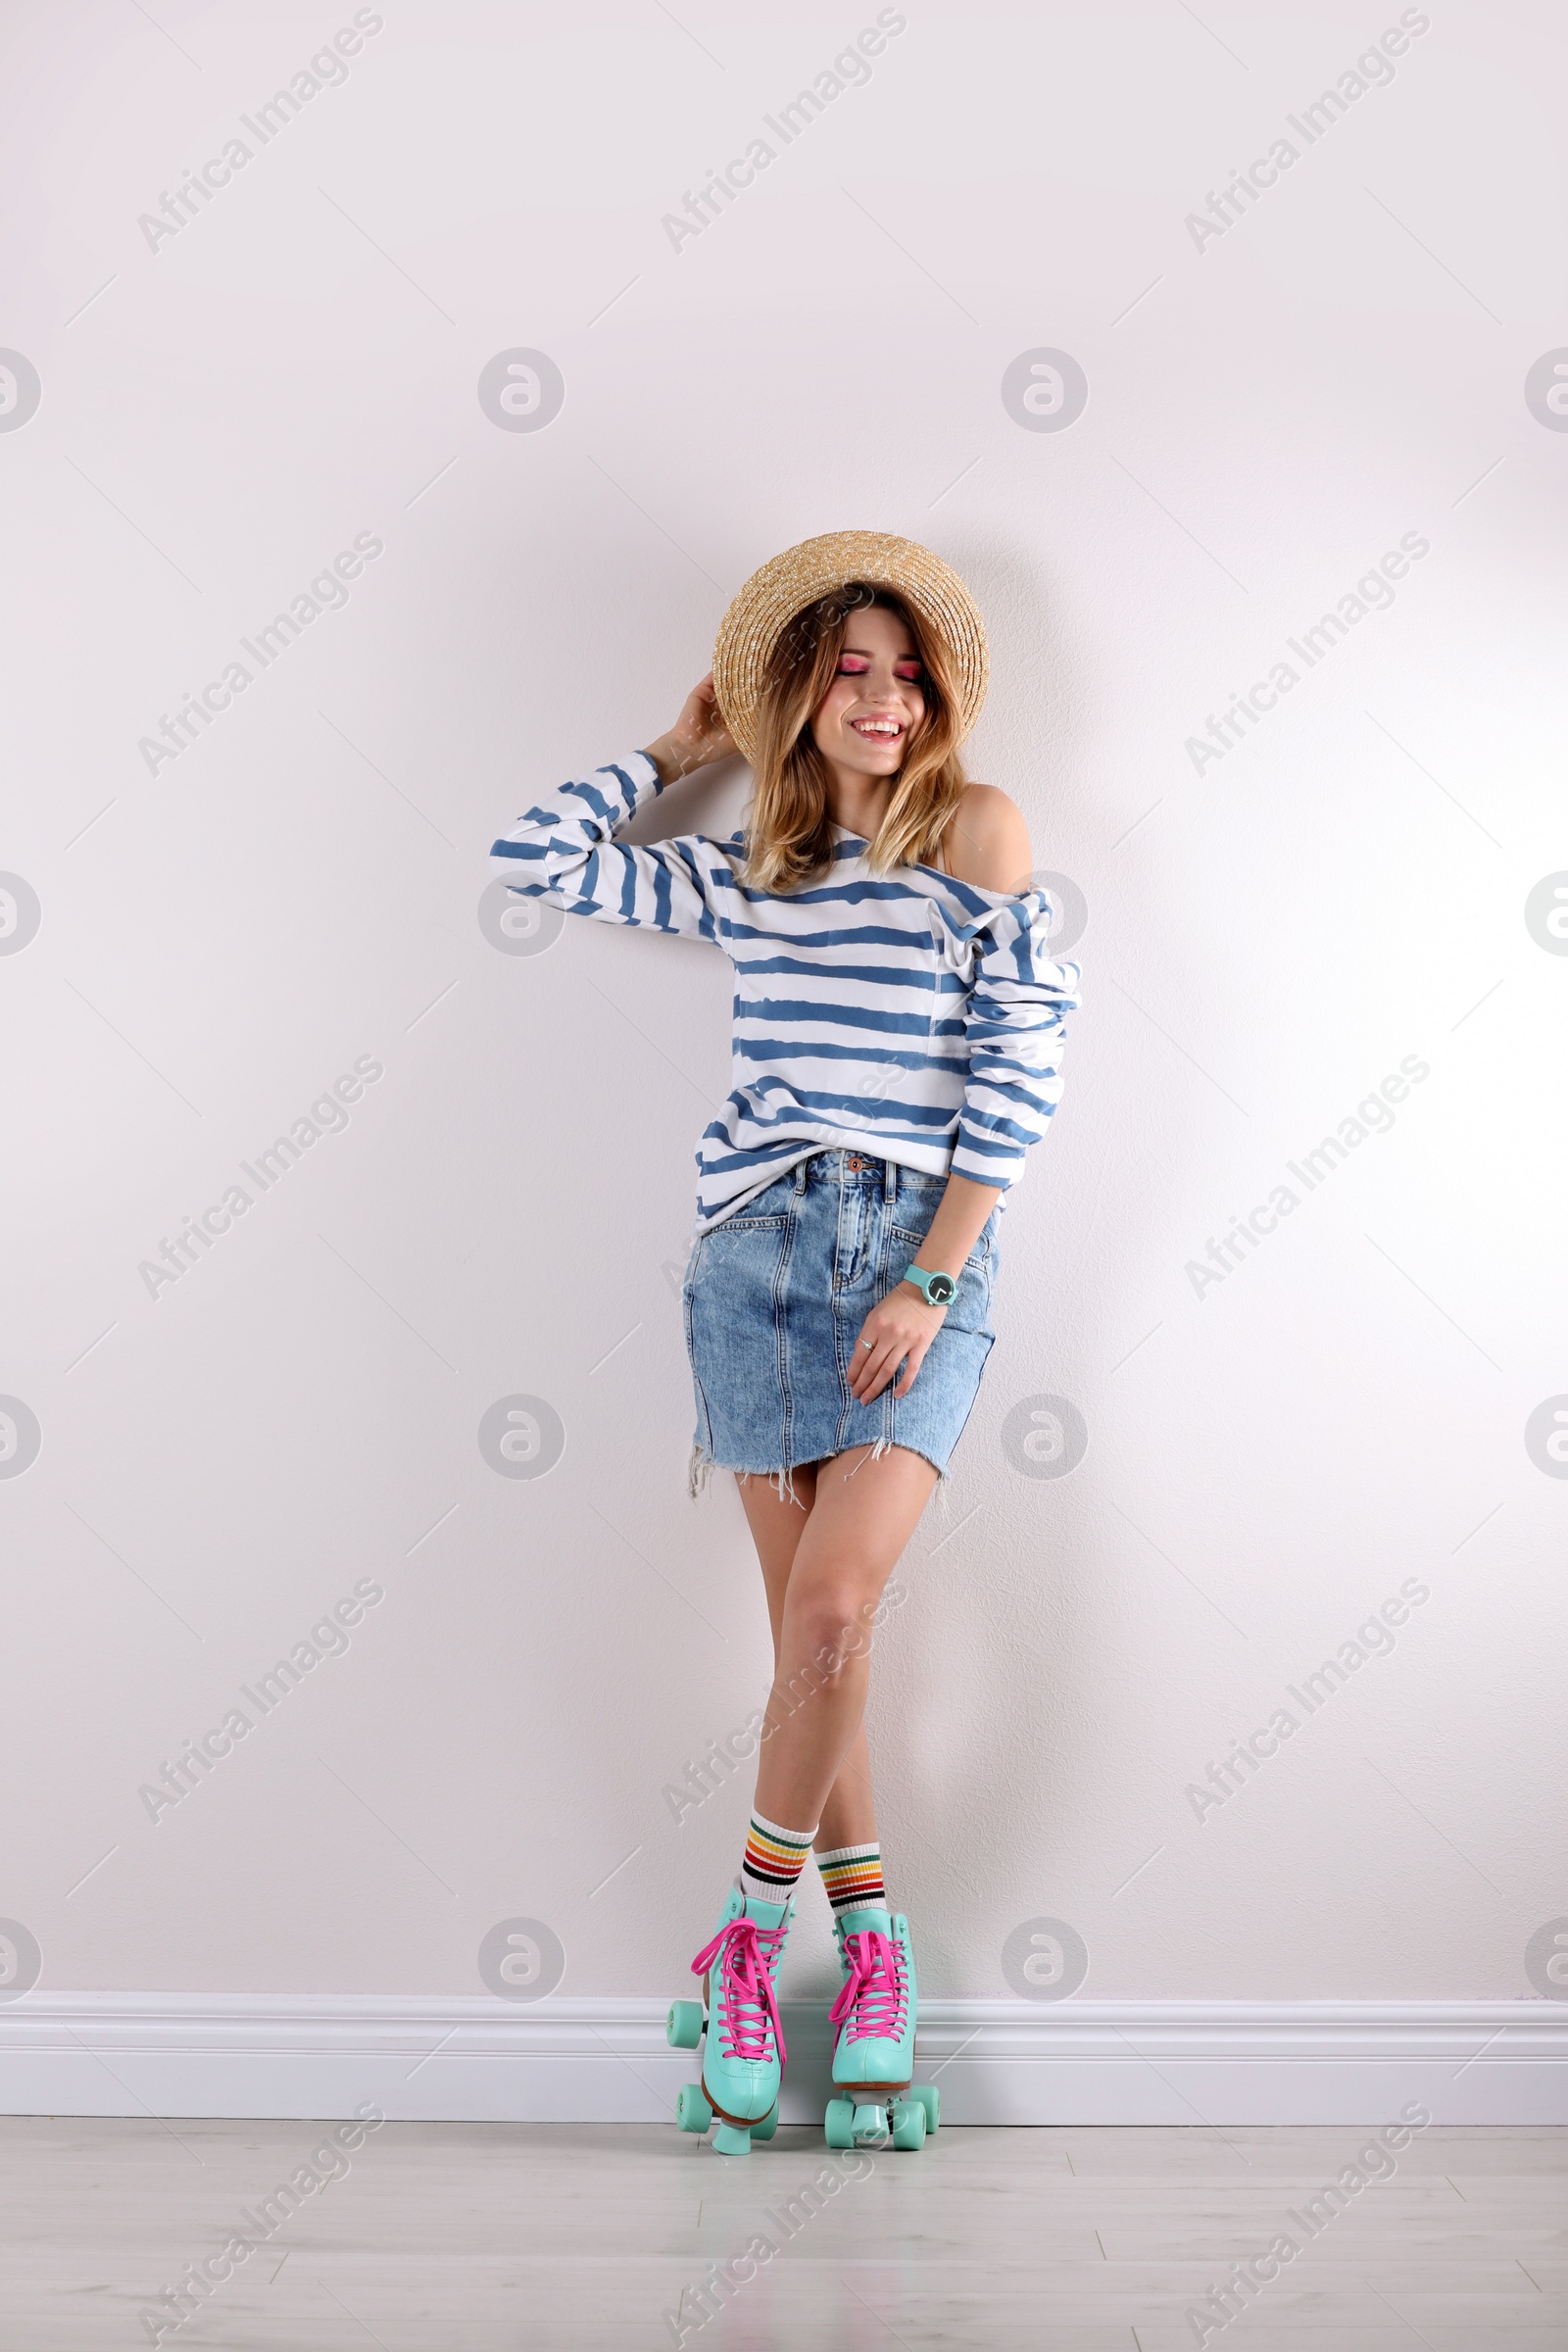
788 583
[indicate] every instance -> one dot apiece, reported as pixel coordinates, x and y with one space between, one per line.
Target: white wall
1267 1462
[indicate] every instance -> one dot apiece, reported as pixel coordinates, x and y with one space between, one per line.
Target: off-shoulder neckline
1003 896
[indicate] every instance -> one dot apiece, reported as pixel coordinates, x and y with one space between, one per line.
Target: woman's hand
901 1325
698 738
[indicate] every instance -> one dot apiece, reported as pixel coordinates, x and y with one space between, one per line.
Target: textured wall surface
1298 439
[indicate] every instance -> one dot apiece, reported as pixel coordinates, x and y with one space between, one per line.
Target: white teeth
876 726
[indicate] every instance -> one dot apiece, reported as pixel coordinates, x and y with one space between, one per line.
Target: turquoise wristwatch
936 1289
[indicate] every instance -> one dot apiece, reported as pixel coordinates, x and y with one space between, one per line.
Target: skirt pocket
733 1332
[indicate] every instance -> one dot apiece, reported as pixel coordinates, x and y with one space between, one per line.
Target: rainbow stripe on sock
774 1858
853 1877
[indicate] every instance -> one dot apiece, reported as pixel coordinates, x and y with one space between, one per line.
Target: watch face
940 1289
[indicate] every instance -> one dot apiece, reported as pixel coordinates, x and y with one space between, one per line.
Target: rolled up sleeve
1015 1027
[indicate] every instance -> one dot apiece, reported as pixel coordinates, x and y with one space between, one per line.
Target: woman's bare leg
849 1816
862 1515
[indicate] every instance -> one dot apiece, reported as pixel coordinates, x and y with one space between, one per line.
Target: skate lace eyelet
872 2004
747 1956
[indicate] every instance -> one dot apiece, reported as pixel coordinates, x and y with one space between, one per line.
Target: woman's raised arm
565 847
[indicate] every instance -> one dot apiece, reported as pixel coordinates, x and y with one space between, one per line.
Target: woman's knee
829 1622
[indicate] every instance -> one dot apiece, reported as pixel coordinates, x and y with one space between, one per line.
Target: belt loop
890 1182
800 1166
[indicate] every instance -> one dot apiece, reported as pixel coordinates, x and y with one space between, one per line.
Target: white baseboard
478 2059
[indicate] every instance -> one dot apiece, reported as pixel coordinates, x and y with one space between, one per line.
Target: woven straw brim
788 583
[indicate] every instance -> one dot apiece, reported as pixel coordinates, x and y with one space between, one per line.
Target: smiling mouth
878 730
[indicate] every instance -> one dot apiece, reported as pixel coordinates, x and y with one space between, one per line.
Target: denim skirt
774 1297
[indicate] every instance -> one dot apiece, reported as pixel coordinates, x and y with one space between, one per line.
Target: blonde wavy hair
789 832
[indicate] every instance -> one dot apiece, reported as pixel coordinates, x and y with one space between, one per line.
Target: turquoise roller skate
743 2063
873 2052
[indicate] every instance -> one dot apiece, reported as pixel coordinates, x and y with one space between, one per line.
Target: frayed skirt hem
702 1465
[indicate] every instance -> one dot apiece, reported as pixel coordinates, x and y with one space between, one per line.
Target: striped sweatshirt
910 1016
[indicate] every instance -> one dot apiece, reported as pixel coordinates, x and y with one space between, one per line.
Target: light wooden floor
464 2237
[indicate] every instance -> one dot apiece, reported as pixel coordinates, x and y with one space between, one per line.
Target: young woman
897 1048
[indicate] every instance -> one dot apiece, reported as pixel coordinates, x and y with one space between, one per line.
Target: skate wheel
930 2098
767 2128
870 2122
909 2125
683 2028
692 2111
732 2140
838 2125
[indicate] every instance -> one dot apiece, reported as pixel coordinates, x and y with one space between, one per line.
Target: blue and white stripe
910 1016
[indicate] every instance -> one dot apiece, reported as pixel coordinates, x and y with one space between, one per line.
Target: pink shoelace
872 2000
747 1958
